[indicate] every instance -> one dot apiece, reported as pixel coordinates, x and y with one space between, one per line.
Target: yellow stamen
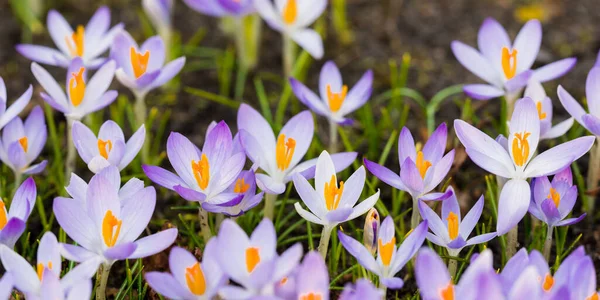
386 250
283 280
548 283
110 234
139 62
252 258
284 152
194 277
555 196
447 293
595 296
3 216
201 170
509 62
240 186
336 100
422 164
75 42
452 225
104 147
24 144
77 87
311 296
40 269
332 193
541 114
520 148
290 12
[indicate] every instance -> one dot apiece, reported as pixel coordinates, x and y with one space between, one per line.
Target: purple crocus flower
506 66
451 231
515 160
244 186
83 97
390 258
312 278
78 188
252 262
12 220
22 143
280 157
363 289
142 69
44 279
222 8
335 101
105 226
9 113
189 279
543 103
205 175
591 120
159 12
582 281
109 148
86 43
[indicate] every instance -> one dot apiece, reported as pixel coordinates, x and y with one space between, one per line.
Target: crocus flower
335 101
390 258
9 113
582 283
86 43
551 286
78 188
291 18
253 262
371 230
591 120
12 220
189 279
22 143
159 12
142 69
245 186
44 279
280 157
515 160
205 175
535 91
363 289
312 278
83 97
6 286
221 8
451 231
504 66
121 222
109 148
330 204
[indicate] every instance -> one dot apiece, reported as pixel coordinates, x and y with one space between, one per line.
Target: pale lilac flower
330 204
280 157
582 282
245 186
78 188
189 278
83 97
591 120
292 18
515 159
221 8
86 43
202 176
363 289
142 68
252 262
336 100
506 66
12 220
22 143
9 113
43 281
159 12
312 278
543 103
109 148
450 230
390 258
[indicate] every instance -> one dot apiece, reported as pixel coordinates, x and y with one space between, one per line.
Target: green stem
269 209
513 240
141 114
324 242
71 151
288 56
592 178
383 288
240 44
204 226
452 267
333 136
102 280
18 178
416 216
548 243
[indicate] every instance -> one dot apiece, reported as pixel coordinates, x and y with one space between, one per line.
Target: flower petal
475 62
362 255
554 70
482 91
513 204
310 41
384 174
154 243
528 43
558 157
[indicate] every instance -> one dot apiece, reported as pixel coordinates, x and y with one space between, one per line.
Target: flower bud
371 230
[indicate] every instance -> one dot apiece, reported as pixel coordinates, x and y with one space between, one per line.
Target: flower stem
288 56
269 209
383 288
592 178
71 156
18 177
204 227
333 136
452 267
548 243
416 216
512 243
102 280
324 242
141 114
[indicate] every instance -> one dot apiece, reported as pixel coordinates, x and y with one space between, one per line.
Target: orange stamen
194 277
252 258
332 193
139 62
40 269
284 152
509 62
447 293
201 170
548 283
3 216
422 164
240 186
541 114
595 296
386 250
77 87
311 296
290 12
110 234
24 144
104 147
336 100
555 196
520 148
75 42
452 225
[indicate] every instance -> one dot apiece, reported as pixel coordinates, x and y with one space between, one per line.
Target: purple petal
308 98
474 62
169 71
393 283
471 218
482 91
154 243
339 215
528 43
43 54
518 82
166 285
121 251
550 211
409 247
513 205
75 221
23 200
554 70
571 221
555 159
431 274
571 105
411 178
406 146
434 222
11 232
359 94
592 123
162 177
309 196
189 194
356 249
313 276
486 237
436 144
85 141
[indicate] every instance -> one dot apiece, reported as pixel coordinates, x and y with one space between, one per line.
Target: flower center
194 277
110 234
332 193
452 225
252 259
77 87
311 296
548 283
595 296
23 142
104 147
509 62
336 100
40 269
290 12
201 170
541 114
139 62
422 164
3 216
75 41
555 196
520 148
447 293
240 186
386 250
284 151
